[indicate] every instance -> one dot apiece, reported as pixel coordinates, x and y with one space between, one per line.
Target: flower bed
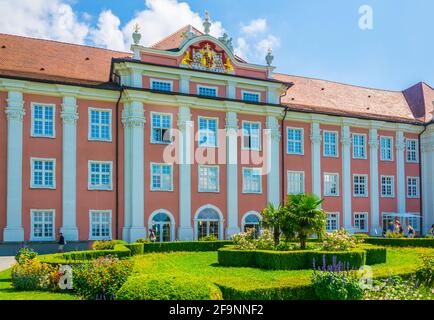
288 260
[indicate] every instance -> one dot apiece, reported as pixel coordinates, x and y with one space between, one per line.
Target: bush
396 288
247 240
142 240
107 244
336 286
31 274
300 292
135 248
287 260
374 254
339 240
390 234
25 254
168 288
425 272
360 237
185 246
79 257
401 242
101 278
209 238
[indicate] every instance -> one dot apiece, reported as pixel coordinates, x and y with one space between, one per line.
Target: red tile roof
174 41
342 99
64 62
52 60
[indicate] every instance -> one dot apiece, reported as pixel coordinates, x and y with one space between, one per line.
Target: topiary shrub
165 287
374 254
209 238
106 244
101 278
135 248
185 246
402 242
360 237
143 240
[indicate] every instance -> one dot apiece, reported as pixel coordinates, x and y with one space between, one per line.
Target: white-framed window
361 221
161 126
100 175
360 185
251 96
251 135
413 187
252 180
330 146
331 184
359 146
387 186
295 182
294 138
412 150
332 221
43 122
208 132
161 177
209 179
161 85
42 224
207 91
100 224
386 148
414 221
100 123
43 173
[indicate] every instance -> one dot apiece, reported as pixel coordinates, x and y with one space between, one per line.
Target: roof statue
136 35
206 23
269 57
227 41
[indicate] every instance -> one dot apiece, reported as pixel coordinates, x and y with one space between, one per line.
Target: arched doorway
252 220
163 224
208 222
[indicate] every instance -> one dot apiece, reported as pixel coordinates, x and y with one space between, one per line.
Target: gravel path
6 262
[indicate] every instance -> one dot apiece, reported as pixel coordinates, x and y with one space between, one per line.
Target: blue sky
314 38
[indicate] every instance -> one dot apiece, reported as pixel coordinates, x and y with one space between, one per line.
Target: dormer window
161 85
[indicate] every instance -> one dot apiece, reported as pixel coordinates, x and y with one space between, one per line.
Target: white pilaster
272 96
184 84
69 117
427 163
376 230
185 125
400 171
134 120
230 90
232 173
15 112
346 176
136 79
273 180
315 138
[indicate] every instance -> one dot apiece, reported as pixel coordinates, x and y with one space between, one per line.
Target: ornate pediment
206 56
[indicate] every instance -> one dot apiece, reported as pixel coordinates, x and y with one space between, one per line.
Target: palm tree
272 218
304 217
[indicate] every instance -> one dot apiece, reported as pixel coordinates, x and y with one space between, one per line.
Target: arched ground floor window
208 222
163 224
251 220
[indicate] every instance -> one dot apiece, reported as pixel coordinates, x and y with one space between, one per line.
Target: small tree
272 218
303 217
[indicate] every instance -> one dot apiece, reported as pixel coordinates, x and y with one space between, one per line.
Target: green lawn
204 264
8 293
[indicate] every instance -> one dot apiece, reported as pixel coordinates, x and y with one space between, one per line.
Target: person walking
61 243
152 235
410 231
431 231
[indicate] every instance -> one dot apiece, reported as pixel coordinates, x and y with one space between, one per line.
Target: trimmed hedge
160 287
301 292
135 248
77 257
401 242
374 254
287 260
185 246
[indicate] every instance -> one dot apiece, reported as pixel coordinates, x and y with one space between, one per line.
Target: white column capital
273 127
373 139
69 113
231 121
345 136
400 141
315 133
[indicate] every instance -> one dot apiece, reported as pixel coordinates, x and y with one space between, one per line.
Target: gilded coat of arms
206 57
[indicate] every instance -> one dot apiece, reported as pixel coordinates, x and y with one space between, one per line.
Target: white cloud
107 34
164 17
242 48
270 42
48 19
255 26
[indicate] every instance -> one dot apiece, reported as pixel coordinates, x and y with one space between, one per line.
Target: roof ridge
63 42
173 33
341 83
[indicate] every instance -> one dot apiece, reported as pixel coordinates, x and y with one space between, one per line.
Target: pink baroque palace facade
188 139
